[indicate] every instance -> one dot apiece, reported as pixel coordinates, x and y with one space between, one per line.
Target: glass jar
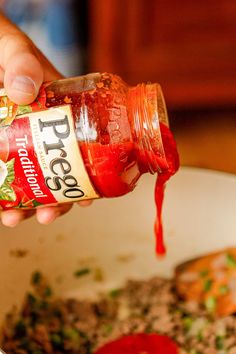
83 138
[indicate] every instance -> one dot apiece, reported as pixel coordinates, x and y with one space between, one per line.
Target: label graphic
43 164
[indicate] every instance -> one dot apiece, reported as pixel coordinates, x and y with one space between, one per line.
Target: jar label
40 160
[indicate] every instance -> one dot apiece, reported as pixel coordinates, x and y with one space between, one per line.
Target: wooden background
187 46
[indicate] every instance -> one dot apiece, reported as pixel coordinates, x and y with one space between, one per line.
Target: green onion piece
210 304
219 342
207 285
73 335
199 336
203 273
31 299
107 329
230 261
148 329
223 289
70 333
36 278
187 322
81 272
115 293
56 340
47 292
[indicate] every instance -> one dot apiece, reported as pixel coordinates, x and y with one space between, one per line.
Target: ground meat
46 325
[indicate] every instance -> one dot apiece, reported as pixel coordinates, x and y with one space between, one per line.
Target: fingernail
24 84
85 203
10 219
46 216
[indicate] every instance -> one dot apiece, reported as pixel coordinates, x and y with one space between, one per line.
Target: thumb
23 73
20 64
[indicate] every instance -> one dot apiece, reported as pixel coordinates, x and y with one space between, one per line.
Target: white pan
116 237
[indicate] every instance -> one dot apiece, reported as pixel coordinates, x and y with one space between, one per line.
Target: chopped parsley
203 273
219 342
230 260
207 285
47 292
187 322
210 303
36 278
81 272
223 289
115 293
107 329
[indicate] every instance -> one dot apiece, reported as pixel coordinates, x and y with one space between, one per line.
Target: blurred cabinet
188 46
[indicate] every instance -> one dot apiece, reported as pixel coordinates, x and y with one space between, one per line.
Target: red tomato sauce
140 344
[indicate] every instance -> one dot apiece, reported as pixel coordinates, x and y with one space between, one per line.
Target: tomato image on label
21 200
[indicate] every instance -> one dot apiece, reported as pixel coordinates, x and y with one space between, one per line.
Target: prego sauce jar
83 138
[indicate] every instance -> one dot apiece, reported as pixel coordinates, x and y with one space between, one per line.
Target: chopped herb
81 272
223 289
31 299
199 336
210 303
148 329
207 285
230 261
219 342
194 351
187 322
73 336
203 273
20 328
107 329
47 292
36 278
56 340
70 333
115 293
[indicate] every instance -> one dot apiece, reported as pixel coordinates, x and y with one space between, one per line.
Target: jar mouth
149 113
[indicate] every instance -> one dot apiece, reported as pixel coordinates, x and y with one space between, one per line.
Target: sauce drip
172 160
140 343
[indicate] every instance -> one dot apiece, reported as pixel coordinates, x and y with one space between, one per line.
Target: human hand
23 68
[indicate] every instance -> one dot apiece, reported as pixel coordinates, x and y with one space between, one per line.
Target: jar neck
147 112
